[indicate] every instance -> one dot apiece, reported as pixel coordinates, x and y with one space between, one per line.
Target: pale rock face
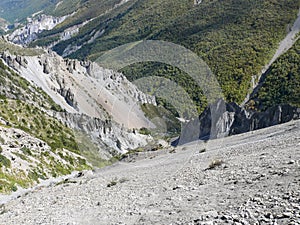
27 34
110 137
101 102
222 119
197 2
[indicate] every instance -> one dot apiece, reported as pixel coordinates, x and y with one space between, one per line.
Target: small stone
225 217
212 214
177 187
296 206
235 218
269 215
287 214
291 162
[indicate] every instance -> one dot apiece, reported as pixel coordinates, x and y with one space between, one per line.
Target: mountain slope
236 39
281 82
52 118
251 178
33 145
14 11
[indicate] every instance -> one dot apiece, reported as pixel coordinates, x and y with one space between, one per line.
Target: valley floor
257 182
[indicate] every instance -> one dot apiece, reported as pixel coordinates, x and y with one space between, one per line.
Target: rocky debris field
252 178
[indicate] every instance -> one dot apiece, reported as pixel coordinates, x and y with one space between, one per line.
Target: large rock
223 119
29 33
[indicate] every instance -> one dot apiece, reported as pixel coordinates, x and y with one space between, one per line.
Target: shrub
26 151
144 131
4 161
112 183
215 163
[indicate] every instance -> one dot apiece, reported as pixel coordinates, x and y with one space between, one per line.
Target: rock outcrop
28 33
15 61
110 138
26 160
99 102
222 119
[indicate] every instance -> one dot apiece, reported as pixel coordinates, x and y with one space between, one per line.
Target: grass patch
4 161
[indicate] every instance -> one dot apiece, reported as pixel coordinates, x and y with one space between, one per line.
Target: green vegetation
86 10
18 88
235 38
144 131
35 122
281 83
90 150
8 181
26 151
4 161
18 50
182 79
61 160
165 120
19 10
24 106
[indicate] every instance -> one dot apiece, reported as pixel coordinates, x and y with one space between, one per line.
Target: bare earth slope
258 183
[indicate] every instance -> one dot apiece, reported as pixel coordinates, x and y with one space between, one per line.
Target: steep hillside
83 87
14 11
281 82
34 147
61 112
33 144
245 179
59 115
236 39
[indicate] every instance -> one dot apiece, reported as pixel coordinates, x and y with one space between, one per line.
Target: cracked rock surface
252 178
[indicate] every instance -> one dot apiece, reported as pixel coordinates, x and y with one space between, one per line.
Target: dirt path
258 182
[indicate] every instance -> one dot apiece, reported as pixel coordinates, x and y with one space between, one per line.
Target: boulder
222 119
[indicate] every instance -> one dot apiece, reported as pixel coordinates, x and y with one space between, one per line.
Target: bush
112 183
215 163
26 151
145 131
4 161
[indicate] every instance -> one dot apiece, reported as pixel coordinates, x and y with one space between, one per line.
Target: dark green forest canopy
281 83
